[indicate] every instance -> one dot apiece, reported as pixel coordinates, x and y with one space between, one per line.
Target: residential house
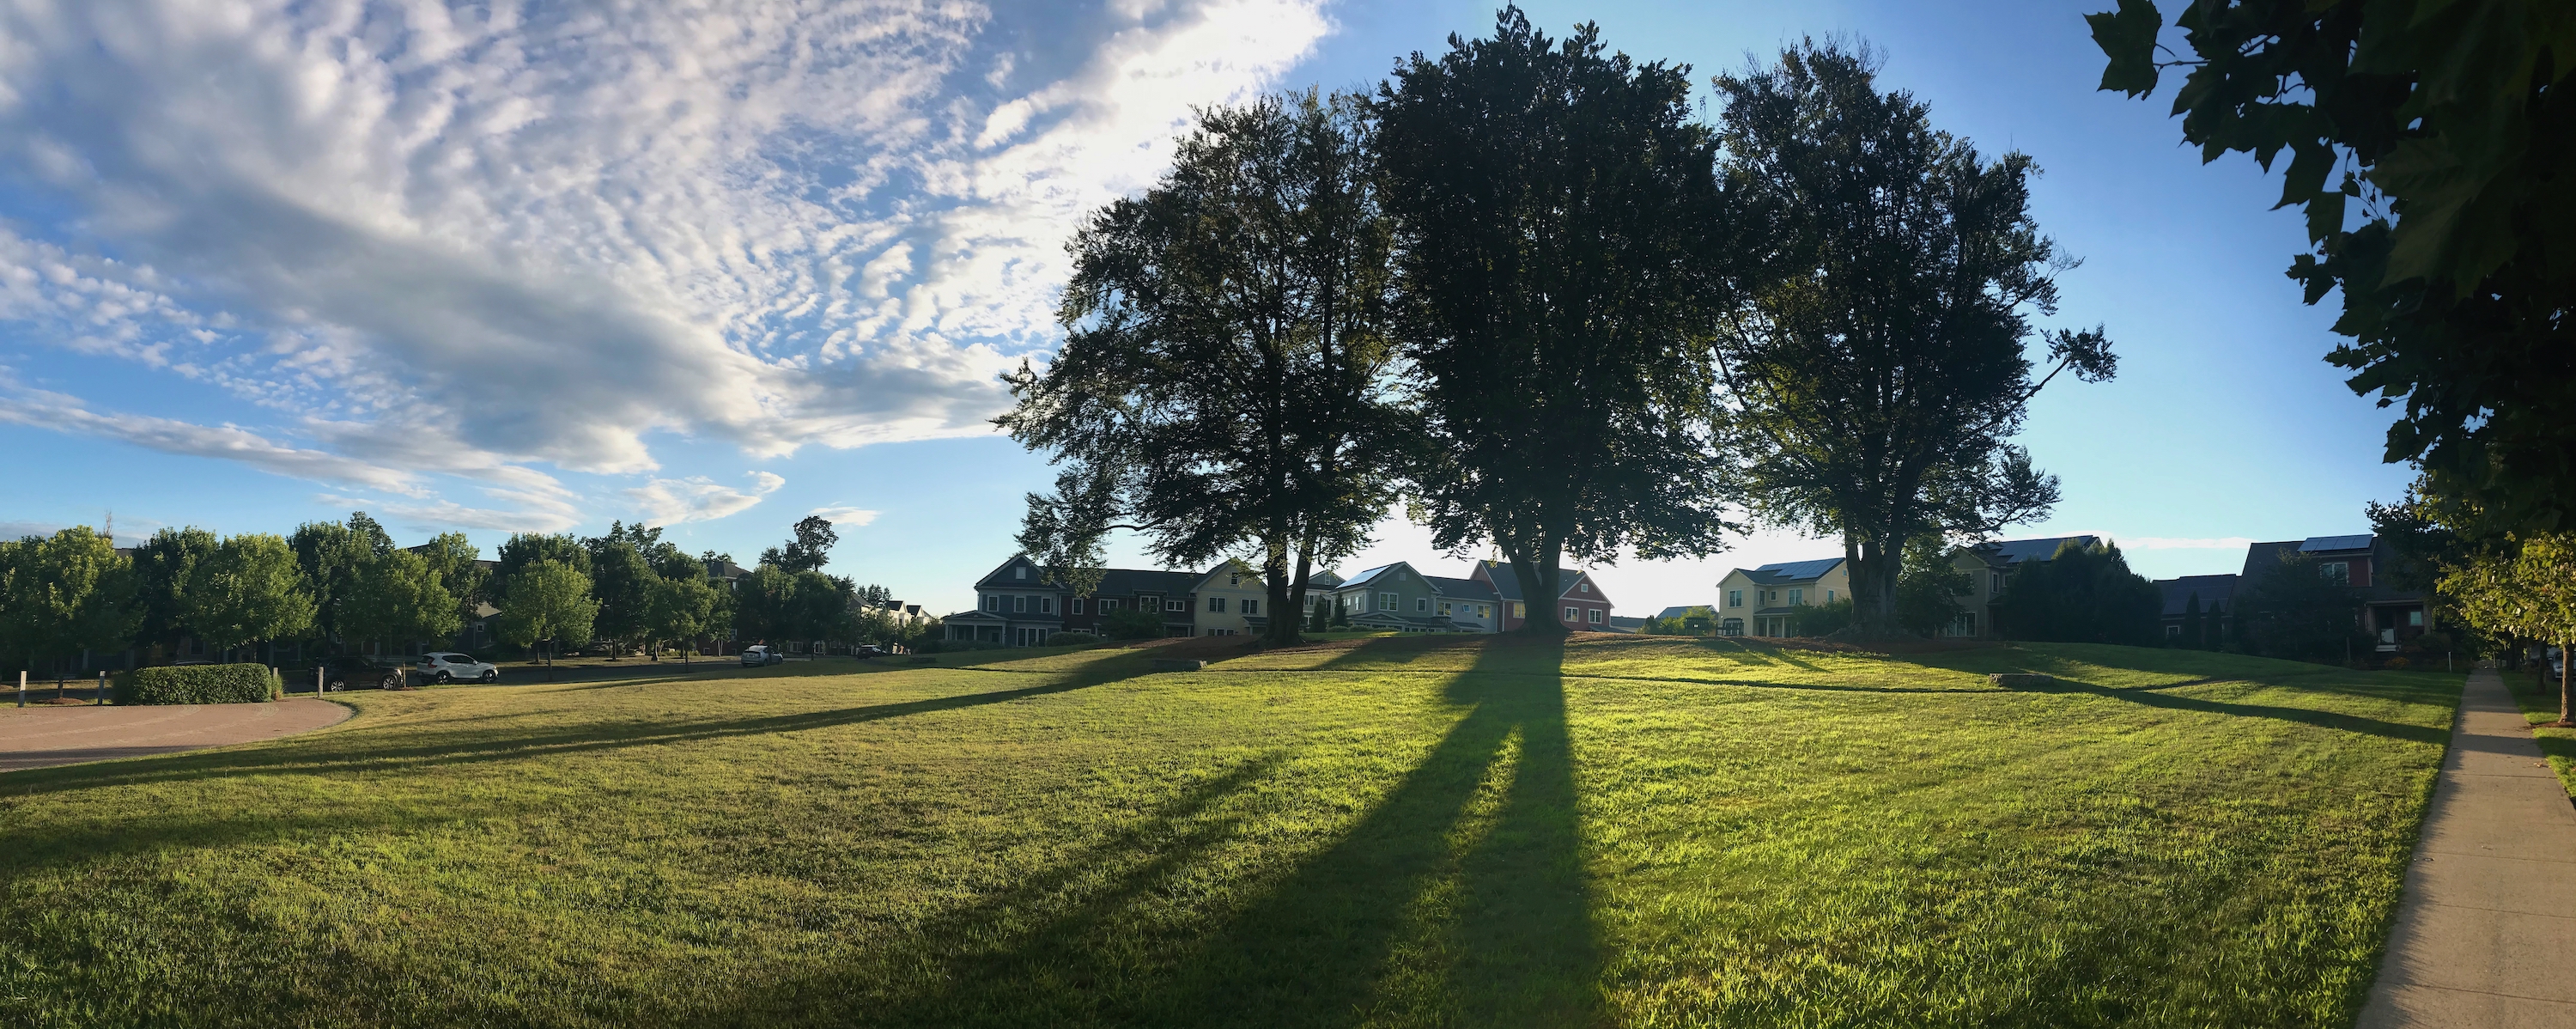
1227 602
2213 596
1623 623
1580 602
2392 616
1765 601
1471 604
1990 568
1394 597
1016 604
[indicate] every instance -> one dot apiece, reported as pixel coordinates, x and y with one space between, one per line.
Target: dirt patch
71 734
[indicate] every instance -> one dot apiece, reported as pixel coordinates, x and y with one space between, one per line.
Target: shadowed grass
1396 831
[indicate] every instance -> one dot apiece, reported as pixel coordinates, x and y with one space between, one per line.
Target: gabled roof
1794 571
1366 576
1681 610
2333 544
1126 582
1508 586
2013 552
1623 623
1461 589
2213 590
1322 579
1000 575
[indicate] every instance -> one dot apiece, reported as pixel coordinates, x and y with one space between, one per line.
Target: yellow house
1762 601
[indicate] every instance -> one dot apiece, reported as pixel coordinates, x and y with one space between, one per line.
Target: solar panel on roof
1799 569
2316 544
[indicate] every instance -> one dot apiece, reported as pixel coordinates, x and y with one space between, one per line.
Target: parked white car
762 655
451 667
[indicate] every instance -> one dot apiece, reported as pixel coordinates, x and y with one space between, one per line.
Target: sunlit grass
1397 831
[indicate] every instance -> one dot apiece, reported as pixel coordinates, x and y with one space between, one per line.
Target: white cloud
698 498
484 240
845 517
49 410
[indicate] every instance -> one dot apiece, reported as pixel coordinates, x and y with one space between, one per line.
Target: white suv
451 667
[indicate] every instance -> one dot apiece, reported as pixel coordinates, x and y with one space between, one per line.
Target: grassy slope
1398 831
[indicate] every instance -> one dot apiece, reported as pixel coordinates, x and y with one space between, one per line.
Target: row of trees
347 584
1524 289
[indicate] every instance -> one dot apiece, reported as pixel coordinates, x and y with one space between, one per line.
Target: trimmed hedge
198 684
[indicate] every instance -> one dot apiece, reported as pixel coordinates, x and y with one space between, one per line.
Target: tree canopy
2082 594
548 601
249 590
1551 201
809 548
398 598
1220 387
1875 360
2530 593
2428 148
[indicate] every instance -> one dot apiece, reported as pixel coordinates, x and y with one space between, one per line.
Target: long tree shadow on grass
2432 734
1460 899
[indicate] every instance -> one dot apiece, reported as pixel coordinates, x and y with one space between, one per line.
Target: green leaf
2128 38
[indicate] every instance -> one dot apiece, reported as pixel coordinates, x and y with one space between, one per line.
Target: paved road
35 737
2489 915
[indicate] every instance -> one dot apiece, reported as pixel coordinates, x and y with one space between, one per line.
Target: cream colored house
1990 567
1228 601
1762 601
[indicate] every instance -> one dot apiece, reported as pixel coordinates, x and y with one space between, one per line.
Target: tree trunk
1873 583
1540 588
2565 658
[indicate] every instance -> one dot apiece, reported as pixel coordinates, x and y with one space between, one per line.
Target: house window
1829 596
1077 605
2337 572
1421 605
1107 604
1583 587
1735 598
1797 597
1046 605
1216 605
1731 627
1386 602
1020 572
1444 609
1520 610
1234 579
1019 604
1964 624
1995 581
1251 606
2415 618
1570 615
992 602
1181 607
1484 611
1593 616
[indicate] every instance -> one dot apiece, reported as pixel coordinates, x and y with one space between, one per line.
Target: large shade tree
547 602
332 555
1221 384
1551 199
2429 148
1876 360
398 598
163 565
66 594
249 590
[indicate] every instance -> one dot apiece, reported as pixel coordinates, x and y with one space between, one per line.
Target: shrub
1128 623
1073 638
199 684
2397 663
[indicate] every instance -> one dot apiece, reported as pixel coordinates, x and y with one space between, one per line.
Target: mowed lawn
1458 831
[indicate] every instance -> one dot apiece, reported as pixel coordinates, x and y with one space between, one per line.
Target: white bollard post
317 681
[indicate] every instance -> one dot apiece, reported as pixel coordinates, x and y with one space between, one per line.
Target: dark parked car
357 673
870 650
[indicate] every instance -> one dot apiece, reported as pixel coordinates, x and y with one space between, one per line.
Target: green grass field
1400 831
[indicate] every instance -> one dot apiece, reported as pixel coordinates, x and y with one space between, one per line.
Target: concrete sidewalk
2488 921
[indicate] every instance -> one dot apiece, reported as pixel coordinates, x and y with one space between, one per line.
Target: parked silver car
762 655
449 667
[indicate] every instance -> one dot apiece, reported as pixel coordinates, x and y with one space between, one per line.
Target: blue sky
531 267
